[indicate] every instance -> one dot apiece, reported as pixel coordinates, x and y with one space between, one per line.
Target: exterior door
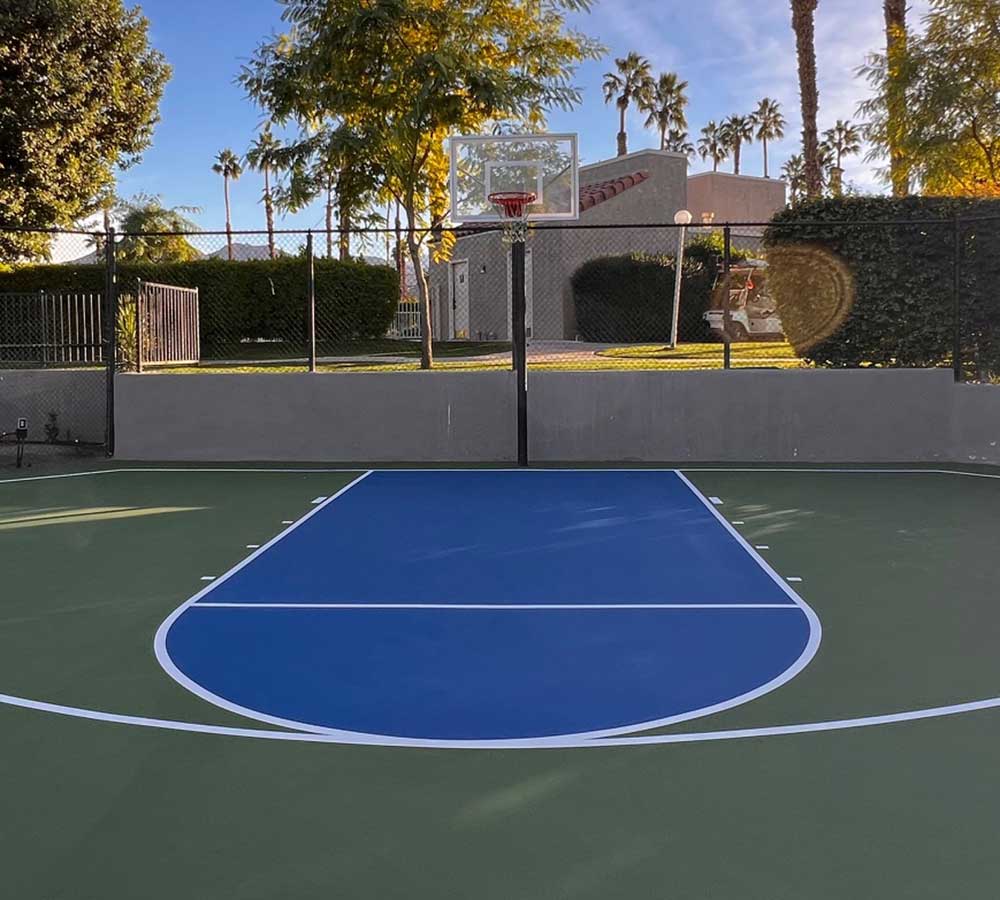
460 299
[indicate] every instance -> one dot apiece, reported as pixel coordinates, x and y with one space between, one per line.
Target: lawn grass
742 350
277 351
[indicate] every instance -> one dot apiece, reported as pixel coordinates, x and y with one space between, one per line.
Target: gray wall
376 417
78 397
464 417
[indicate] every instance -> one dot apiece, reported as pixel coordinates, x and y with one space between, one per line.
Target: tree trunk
423 294
329 221
895 52
764 142
344 238
663 137
737 147
715 164
229 224
622 135
269 212
805 47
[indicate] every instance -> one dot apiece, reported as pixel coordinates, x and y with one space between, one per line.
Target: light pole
683 218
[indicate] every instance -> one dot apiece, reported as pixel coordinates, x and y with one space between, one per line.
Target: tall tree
950 137
403 76
631 81
769 124
665 105
794 173
677 142
79 94
264 156
843 140
803 12
712 145
735 131
228 165
154 233
895 55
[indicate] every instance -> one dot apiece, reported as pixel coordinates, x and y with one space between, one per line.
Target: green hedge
630 298
247 301
896 271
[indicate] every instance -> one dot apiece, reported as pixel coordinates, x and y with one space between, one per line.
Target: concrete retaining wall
78 397
411 416
467 417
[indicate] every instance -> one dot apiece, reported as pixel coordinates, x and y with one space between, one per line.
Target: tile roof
599 191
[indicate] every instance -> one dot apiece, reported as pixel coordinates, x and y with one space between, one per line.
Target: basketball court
496 683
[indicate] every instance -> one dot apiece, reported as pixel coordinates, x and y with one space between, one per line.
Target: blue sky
732 53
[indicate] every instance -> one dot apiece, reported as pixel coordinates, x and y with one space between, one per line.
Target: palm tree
632 81
840 141
711 145
770 124
895 53
228 166
843 139
803 25
735 130
665 106
677 142
794 173
263 156
154 233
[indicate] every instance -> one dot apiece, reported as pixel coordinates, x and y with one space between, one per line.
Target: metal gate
167 331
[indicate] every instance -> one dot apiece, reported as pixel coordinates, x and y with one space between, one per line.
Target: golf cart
752 313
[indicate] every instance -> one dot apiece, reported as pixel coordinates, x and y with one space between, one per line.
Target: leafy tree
401 76
946 124
79 92
735 131
143 221
665 106
632 80
264 157
228 165
794 173
711 145
803 12
769 124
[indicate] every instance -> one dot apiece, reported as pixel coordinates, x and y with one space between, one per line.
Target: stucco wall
78 397
734 198
618 417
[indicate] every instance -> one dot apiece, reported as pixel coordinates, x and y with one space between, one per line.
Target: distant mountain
243 252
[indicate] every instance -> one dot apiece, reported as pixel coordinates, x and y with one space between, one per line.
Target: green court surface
901 568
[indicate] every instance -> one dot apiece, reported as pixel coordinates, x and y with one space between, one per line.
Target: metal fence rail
51 329
167 331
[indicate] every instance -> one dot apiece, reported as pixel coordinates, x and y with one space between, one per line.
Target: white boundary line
646 740
544 740
497 606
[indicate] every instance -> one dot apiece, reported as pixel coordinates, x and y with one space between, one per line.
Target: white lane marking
160 640
715 501
794 579
761 547
739 523
253 546
207 578
288 521
500 606
318 500
691 737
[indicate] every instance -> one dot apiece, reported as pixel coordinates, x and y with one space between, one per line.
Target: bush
896 280
630 298
247 301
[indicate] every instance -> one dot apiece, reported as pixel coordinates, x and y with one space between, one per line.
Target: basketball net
513 209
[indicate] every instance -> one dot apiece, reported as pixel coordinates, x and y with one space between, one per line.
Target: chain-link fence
789 295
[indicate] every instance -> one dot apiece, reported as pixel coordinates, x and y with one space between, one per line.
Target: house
470 292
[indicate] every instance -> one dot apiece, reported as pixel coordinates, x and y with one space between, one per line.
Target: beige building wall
734 198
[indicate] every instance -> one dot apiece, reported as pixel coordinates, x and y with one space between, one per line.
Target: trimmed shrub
630 298
247 302
889 265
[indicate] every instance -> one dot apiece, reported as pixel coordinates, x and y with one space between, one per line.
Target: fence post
518 306
311 304
138 325
727 249
110 335
957 300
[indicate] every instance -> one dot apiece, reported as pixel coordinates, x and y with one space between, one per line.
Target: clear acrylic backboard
546 165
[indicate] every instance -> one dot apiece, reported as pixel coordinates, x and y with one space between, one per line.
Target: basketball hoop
513 209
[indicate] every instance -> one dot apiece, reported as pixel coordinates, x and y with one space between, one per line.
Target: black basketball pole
518 307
